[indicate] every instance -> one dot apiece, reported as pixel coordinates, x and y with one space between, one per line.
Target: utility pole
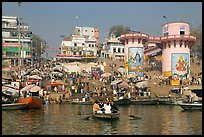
195 65
19 49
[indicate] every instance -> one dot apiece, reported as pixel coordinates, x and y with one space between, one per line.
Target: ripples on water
68 119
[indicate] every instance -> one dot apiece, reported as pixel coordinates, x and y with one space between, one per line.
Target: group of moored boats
182 102
24 103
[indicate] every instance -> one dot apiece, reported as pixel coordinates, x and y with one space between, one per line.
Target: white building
113 48
80 45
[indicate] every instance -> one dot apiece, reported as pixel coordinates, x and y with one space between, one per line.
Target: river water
70 119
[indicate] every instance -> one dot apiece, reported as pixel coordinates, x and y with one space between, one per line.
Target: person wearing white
107 108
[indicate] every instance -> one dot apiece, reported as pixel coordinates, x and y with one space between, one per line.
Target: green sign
14 49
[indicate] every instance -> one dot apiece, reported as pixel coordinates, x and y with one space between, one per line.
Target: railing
177 37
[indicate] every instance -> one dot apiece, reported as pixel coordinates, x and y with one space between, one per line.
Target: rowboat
14 106
82 102
124 101
110 116
33 101
196 105
145 102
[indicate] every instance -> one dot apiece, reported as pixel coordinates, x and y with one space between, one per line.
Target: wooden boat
145 102
196 105
14 106
170 100
124 101
82 102
110 116
33 101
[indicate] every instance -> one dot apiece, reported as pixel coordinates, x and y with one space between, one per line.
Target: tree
197 47
38 46
118 30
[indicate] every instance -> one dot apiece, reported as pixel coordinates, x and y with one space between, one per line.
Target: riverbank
154 84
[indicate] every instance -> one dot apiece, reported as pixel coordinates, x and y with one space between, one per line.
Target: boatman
96 108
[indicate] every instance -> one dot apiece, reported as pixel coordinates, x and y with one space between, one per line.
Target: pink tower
176 44
134 52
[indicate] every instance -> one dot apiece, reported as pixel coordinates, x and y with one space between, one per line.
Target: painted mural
180 64
135 61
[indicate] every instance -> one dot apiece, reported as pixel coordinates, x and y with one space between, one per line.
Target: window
166 34
182 32
74 53
119 50
89 45
75 44
165 29
114 50
123 50
92 45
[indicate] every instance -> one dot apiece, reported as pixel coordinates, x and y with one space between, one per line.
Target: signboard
135 61
180 64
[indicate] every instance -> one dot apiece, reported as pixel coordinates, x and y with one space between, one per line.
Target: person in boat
114 108
107 108
96 107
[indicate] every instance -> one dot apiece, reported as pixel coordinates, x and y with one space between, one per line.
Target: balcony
178 37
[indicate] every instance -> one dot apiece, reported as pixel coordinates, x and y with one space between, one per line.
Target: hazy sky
50 20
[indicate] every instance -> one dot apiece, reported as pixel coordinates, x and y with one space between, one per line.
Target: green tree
38 46
118 30
197 47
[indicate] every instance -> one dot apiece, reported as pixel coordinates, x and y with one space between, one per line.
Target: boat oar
87 117
134 117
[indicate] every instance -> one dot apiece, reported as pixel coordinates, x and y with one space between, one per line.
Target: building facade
113 48
81 45
10 41
174 44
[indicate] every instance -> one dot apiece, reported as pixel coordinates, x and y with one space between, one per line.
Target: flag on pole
164 16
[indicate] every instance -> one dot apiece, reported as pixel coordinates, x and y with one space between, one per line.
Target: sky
51 20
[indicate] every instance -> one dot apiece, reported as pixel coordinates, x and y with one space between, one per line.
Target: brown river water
70 119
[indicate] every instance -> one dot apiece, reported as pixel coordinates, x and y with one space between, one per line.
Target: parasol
142 84
35 77
35 89
106 74
123 84
116 82
122 70
28 87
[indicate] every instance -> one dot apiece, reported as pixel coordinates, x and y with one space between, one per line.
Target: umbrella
57 73
10 86
28 71
28 87
106 74
4 88
5 76
60 82
122 70
35 71
116 82
123 84
9 91
35 77
142 84
35 89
